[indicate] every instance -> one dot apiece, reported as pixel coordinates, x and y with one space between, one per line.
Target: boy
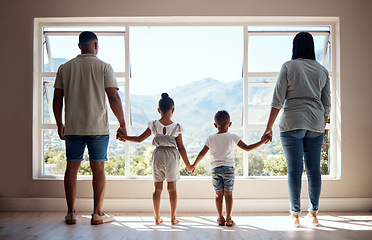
221 145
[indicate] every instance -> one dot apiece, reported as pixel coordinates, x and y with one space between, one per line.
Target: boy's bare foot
221 221
174 221
230 222
158 221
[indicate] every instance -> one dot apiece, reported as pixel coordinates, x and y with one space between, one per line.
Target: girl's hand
190 168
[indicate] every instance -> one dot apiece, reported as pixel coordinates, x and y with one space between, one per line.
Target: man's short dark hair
222 117
87 36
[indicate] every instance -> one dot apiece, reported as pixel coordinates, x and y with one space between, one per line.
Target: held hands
121 133
267 136
265 139
190 168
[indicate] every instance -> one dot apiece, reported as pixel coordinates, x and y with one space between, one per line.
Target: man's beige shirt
83 81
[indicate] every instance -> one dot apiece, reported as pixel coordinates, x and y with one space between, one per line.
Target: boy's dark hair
87 36
222 117
165 103
303 46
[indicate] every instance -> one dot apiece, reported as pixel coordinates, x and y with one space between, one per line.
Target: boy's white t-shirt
221 147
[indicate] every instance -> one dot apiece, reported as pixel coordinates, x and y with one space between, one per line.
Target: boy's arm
137 139
182 151
253 146
201 155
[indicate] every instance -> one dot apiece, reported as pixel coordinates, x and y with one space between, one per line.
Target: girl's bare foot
230 222
174 221
221 221
158 221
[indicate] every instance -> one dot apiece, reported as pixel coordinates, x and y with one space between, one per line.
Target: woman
303 90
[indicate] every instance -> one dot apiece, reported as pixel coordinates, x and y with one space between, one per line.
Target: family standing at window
302 90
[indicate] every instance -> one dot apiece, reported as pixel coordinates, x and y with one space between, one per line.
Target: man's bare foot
158 221
175 221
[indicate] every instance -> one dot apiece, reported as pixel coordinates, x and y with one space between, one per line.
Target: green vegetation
261 163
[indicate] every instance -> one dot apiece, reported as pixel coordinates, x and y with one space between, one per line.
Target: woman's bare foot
221 221
158 221
174 221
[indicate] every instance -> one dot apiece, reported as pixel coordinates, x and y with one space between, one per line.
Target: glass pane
54 158
48 93
267 53
111 115
65 47
287 28
324 155
62 49
178 60
115 164
328 62
268 156
269 159
259 103
112 50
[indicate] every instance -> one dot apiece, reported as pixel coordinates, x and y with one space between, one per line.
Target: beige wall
16 68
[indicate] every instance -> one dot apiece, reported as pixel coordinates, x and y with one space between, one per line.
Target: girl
165 158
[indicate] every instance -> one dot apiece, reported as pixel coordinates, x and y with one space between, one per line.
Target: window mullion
245 101
127 100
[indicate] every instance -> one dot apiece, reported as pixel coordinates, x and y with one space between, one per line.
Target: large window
203 67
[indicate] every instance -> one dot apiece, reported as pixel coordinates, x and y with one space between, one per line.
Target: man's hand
61 131
122 131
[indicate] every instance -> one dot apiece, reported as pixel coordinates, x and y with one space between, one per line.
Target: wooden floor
51 226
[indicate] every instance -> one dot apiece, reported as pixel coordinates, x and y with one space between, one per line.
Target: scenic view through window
202 69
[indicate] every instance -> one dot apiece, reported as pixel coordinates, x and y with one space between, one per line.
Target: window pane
111 115
65 47
200 68
48 93
267 53
259 103
61 49
54 158
268 156
269 159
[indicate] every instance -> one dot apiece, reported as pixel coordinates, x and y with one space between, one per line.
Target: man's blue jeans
302 145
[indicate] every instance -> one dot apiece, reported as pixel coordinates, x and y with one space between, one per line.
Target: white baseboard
183 205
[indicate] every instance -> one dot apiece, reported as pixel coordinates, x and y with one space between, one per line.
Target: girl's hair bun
164 95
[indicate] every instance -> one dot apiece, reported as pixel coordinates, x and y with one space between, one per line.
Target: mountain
196 104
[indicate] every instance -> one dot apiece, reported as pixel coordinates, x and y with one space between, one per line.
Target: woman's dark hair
165 103
303 46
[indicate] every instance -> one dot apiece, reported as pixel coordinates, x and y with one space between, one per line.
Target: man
83 81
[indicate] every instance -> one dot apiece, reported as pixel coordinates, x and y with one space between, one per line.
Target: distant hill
196 103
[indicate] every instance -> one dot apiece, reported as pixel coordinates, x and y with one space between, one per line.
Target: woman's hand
268 134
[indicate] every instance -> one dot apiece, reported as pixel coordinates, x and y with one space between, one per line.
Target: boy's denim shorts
97 147
223 178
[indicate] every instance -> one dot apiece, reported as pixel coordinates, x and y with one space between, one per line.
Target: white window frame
244 22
